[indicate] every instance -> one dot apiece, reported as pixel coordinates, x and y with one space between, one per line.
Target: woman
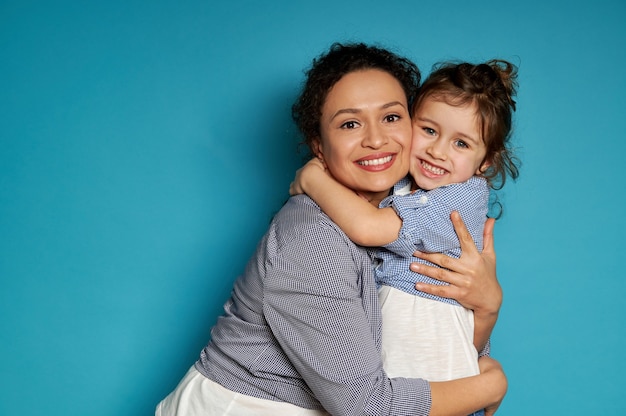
301 333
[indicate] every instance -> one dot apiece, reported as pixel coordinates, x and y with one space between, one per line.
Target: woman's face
366 133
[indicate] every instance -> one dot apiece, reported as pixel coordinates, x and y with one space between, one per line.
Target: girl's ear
483 167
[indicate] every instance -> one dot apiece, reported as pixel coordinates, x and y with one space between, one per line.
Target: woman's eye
391 118
349 125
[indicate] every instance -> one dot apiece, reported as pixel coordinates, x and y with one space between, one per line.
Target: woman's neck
374 198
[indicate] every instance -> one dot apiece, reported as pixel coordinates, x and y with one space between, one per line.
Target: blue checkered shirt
426 227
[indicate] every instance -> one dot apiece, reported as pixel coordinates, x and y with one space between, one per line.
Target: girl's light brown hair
490 86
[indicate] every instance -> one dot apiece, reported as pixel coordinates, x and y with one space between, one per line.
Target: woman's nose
374 137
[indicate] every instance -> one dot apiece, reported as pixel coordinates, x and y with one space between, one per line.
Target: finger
467 242
438 273
319 162
445 291
445 263
488 245
294 189
430 271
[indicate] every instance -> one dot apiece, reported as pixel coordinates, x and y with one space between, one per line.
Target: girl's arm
362 222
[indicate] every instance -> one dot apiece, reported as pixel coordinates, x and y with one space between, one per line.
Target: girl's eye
429 131
461 143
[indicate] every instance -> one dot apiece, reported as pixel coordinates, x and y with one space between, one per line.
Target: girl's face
447 144
366 133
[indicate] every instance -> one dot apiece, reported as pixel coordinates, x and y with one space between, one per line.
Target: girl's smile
447 144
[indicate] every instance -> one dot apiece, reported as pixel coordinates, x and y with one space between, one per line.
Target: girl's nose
437 150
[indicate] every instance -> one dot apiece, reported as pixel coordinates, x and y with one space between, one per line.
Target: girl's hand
297 186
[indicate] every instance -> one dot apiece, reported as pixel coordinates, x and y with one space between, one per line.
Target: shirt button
423 199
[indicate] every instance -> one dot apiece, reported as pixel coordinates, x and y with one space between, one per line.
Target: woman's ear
316 145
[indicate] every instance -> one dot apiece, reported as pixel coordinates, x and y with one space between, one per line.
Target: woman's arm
484 391
320 301
472 278
364 223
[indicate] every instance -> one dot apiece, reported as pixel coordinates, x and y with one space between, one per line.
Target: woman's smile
376 163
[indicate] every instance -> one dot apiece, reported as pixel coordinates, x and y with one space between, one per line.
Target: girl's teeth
374 162
433 169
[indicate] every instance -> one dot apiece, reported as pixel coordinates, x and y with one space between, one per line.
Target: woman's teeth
374 162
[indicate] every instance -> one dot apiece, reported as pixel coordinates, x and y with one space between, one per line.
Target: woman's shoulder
300 214
302 221
301 230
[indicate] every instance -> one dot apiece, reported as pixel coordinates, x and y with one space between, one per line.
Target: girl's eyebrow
460 134
425 119
468 138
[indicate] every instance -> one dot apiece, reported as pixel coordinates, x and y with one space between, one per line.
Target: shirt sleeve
486 351
314 303
426 224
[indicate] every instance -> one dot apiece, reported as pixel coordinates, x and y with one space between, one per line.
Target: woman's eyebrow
357 110
346 111
392 104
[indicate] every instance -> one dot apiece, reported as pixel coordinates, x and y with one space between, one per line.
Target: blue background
146 145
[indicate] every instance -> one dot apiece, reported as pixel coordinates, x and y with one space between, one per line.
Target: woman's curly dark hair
327 69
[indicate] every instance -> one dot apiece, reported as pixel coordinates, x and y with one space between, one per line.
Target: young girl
460 148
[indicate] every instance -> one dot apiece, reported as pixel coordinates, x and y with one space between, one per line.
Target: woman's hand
483 391
471 279
499 383
297 186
